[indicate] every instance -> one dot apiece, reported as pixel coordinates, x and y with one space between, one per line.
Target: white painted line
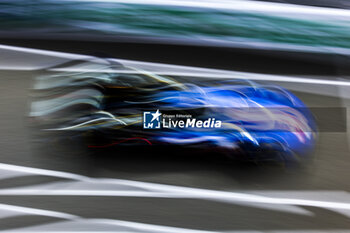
35 211
80 222
162 69
241 5
45 52
44 172
157 190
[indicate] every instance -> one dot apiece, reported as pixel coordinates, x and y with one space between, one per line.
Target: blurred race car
128 106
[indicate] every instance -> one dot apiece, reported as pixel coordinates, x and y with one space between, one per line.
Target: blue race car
142 108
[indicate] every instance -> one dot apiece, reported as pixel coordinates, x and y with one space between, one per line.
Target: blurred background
48 186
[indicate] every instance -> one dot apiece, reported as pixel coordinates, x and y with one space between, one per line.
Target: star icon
156 115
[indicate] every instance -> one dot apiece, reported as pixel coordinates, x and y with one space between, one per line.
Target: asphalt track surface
76 190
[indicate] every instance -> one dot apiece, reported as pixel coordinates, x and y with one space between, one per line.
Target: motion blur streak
151 190
236 5
174 116
228 75
157 68
243 24
88 122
